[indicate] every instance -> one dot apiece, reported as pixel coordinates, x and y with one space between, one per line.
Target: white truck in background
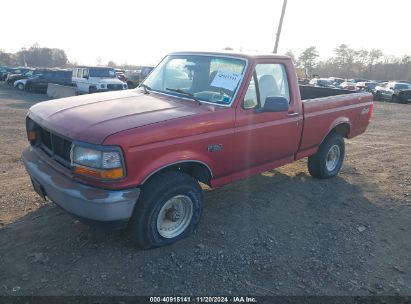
96 79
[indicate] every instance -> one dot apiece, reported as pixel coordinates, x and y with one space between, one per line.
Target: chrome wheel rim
20 86
332 158
175 216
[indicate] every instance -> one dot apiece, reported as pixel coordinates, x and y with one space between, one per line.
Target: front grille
55 146
114 87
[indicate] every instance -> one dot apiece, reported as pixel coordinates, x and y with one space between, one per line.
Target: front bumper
78 199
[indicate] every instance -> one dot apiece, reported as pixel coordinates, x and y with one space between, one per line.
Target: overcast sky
142 32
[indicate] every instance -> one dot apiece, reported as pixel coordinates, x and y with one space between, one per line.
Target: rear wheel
168 210
329 158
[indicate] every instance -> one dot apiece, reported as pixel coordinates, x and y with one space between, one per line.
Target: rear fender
339 124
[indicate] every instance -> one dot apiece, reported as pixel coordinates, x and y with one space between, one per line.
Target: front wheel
378 95
394 98
20 86
168 210
329 158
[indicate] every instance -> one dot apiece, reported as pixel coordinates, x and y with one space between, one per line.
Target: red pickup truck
136 157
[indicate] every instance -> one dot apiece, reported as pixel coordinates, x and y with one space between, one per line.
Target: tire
149 226
329 158
377 95
92 90
20 86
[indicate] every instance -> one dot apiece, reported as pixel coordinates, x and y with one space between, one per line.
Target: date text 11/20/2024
234 299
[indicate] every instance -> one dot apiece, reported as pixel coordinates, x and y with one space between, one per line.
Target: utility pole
277 38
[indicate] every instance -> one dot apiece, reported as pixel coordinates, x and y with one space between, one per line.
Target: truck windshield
213 79
102 72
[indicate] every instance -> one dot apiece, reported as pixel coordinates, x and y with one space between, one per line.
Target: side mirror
274 104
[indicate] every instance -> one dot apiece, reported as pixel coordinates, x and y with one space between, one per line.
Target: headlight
104 163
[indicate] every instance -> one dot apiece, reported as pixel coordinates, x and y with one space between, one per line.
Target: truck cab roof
246 55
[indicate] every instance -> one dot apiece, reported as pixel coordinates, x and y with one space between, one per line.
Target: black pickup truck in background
40 82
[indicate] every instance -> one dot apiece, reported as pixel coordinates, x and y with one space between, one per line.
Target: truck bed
326 108
311 92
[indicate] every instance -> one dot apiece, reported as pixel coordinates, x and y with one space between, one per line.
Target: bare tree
111 64
308 59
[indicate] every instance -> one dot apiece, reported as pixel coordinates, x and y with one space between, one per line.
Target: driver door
264 139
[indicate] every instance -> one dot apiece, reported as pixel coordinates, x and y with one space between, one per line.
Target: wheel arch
342 127
197 169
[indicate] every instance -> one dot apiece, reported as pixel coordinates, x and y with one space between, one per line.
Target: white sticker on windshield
226 80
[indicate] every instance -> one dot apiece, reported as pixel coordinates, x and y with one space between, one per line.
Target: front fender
171 159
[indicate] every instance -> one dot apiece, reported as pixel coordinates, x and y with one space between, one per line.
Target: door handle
293 114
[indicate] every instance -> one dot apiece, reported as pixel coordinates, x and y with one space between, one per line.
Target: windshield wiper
185 93
146 88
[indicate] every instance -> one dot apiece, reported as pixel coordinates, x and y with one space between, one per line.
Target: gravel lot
278 233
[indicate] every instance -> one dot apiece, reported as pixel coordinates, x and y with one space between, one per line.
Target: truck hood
91 118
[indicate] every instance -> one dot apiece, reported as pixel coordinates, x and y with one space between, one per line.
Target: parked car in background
394 91
366 86
96 79
336 81
21 83
322 82
39 83
18 74
120 75
4 71
135 77
12 71
346 85
355 80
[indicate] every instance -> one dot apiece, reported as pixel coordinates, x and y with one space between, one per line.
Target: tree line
354 63
346 62
35 56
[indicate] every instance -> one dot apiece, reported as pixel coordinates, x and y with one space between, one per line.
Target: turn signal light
370 111
32 136
116 173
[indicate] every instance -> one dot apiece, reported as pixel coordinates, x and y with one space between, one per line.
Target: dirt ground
278 233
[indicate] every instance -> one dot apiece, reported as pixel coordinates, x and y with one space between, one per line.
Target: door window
271 81
250 98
